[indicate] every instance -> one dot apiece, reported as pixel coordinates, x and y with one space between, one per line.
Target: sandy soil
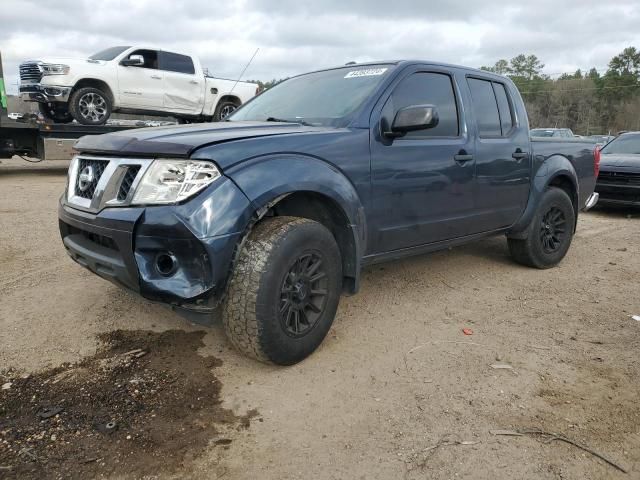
396 390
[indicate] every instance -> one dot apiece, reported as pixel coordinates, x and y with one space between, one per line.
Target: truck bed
577 150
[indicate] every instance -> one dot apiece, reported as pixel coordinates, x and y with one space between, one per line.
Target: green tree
501 67
588 103
626 63
526 66
267 85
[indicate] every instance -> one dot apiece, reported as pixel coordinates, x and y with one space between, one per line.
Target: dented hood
183 140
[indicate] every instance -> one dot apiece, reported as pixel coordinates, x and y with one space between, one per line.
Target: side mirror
412 118
133 61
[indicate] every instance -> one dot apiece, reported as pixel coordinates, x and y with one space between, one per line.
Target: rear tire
224 109
56 112
549 234
284 290
90 106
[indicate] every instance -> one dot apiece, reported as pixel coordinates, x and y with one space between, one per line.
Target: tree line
587 102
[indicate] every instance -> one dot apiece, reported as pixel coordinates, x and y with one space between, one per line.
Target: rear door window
174 62
504 108
485 108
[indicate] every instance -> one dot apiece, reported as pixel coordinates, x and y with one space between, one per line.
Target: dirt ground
396 391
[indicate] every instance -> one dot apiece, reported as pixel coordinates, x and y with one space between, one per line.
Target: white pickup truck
130 80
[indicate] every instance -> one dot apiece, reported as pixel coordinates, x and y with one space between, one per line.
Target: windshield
625 144
108 54
536 132
324 98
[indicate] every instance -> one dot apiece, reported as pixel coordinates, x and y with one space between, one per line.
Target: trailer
39 140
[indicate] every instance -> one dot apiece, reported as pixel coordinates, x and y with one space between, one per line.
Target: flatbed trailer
39 140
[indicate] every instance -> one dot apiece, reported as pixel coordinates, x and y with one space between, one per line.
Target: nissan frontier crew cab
139 80
267 218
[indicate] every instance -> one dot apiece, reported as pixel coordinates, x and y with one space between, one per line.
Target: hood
618 160
182 140
71 61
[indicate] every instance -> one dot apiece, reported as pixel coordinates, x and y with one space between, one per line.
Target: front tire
550 233
56 112
284 290
90 106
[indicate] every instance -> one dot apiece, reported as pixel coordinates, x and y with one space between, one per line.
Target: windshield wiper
284 120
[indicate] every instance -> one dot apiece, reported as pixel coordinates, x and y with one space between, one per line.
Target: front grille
30 73
630 178
102 240
127 182
88 176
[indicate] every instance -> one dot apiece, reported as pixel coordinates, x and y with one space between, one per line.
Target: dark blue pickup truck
267 218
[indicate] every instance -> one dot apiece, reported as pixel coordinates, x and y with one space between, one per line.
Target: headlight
54 69
171 181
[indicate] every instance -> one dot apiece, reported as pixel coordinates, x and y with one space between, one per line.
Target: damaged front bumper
36 92
167 254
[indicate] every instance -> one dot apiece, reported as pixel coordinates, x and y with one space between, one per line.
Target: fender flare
549 170
96 80
265 180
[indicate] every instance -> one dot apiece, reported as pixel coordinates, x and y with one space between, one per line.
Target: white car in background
14 116
138 80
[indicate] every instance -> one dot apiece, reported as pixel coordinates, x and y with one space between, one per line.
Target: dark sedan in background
619 179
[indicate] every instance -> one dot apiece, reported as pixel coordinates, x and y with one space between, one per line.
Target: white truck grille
30 72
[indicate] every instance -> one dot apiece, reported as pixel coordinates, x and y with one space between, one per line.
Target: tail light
596 161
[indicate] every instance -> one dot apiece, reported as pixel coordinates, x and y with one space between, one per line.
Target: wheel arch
311 189
555 171
565 182
230 97
96 83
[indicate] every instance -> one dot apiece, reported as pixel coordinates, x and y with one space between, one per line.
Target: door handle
156 77
193 82
519 154
463 157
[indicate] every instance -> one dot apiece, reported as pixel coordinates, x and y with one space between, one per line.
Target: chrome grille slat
97 167
30 72
127 182
112 181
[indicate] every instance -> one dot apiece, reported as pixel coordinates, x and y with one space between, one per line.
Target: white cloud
296 36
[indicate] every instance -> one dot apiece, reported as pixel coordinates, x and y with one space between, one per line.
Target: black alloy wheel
303 294
553 228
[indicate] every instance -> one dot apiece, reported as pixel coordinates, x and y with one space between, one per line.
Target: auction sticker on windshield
367 72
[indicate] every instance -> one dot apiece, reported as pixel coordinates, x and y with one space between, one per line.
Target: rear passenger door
503 160
422 183
183 89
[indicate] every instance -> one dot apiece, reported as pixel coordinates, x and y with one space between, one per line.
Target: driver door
422 182
141 86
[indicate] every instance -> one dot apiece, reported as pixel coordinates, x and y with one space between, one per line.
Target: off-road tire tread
240 315
523 251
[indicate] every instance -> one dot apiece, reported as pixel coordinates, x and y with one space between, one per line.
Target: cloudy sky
295 36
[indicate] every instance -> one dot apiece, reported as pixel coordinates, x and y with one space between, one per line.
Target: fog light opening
166 264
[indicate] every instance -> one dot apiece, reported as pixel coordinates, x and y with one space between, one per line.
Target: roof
409 62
